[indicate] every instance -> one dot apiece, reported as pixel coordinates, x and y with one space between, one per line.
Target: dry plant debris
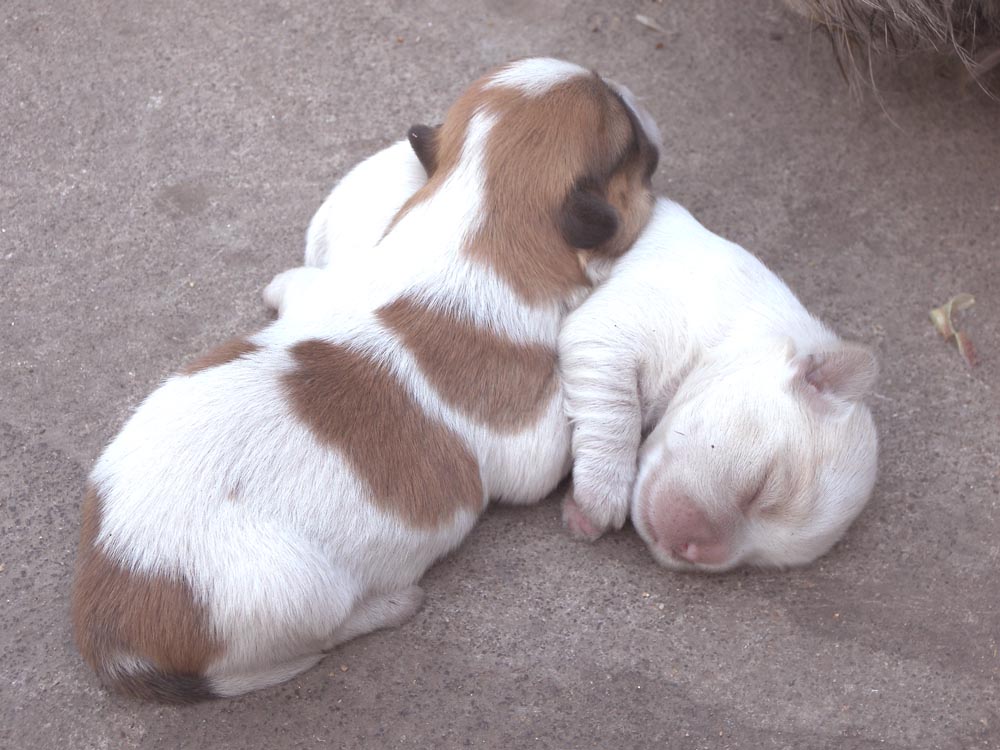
650 23
941 318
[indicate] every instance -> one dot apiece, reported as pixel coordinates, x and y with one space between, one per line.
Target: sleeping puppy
759 447
285 493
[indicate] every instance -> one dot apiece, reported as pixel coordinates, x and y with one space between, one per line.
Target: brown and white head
762 458
555 165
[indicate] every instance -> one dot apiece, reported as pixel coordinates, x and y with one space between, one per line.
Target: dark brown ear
588 221
423 140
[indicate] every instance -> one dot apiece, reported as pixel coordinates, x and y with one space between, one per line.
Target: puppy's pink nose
682 528
711 553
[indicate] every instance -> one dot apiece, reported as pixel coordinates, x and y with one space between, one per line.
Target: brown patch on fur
485 375
121 616
220 355
418 469
533 162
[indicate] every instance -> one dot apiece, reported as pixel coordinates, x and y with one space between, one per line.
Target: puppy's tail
144 681
145 634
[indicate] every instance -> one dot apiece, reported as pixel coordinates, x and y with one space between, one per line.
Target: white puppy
286 492
760 450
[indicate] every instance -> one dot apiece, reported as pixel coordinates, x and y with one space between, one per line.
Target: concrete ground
160 161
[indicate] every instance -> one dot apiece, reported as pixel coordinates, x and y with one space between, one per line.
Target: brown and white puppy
285 493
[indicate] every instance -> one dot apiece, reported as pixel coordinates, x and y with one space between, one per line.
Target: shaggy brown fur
966 29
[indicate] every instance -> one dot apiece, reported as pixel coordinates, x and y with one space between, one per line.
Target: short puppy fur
758 447
285 493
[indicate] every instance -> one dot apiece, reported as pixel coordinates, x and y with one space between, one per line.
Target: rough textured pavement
160 161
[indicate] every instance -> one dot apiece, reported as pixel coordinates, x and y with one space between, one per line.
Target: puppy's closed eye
751 500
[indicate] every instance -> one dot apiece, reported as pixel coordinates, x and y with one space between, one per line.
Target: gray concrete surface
159 162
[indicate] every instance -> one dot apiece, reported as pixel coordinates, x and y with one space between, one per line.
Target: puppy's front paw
577 522
274 293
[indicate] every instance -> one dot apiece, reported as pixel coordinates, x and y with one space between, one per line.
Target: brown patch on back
221 355
120 615
418 469
488 377
577 135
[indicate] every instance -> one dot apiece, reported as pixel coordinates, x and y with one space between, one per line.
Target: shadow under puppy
285 493
756 446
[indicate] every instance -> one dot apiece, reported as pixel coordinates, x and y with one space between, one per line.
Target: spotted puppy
286 492
760 449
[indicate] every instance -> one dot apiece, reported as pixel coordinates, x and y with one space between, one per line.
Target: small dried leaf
962 301
941 318
650 23
942 321
966 348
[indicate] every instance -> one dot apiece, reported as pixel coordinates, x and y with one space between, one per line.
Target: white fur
362 204
536 75
694 339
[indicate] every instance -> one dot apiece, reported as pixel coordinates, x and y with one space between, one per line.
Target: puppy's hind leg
378 612
370 614
277 597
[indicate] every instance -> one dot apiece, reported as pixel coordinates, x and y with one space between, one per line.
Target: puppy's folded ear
423 141
847 372
588 221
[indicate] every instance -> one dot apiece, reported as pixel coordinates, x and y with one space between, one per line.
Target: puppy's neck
725 298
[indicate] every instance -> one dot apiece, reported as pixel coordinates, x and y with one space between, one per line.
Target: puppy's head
764 462
563 162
